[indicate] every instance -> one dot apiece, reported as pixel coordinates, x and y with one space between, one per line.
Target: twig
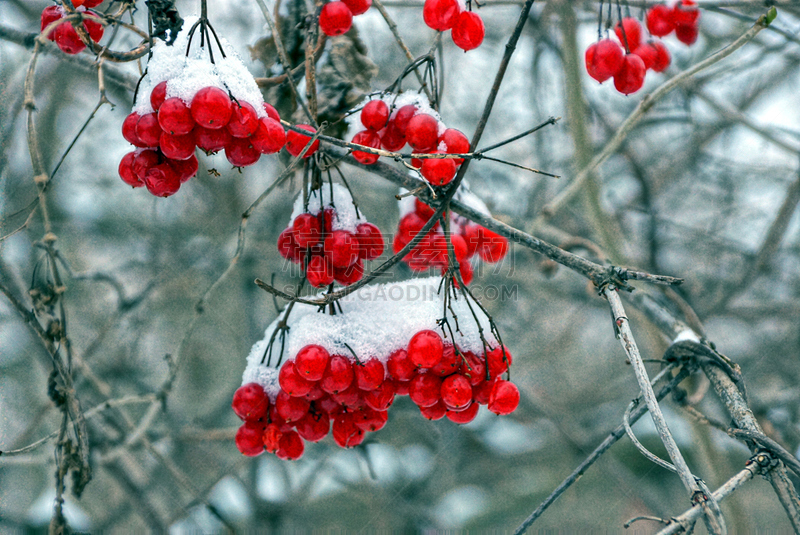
610 440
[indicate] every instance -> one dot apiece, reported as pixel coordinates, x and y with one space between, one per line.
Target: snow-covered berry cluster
336 17
65 36
466 26
187 102
607 58
467 238
346 370
394 120
329 240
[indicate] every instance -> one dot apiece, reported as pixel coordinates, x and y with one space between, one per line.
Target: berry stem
622 26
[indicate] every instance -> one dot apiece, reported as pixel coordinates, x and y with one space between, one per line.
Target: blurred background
705 187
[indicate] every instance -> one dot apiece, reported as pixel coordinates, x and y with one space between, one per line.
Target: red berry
438 171
346 433
50 14
175 117
499 361
425 389
380 398
422 209
186 169
493 246
604 59
368 138
440 14
342 247
457 143
685 13
473 368
162 180
306 230
422 132
392 139
459 247
290 447
177 147
401 387
244 121
240 152
148 130
480 393
288 248
211 108
434 412
368 419
630 77
468 30
126 171
93 27
249 439
129 130
631 38
143 161
456 392
403 116
314 426
375 114
660 21
269 137
400 366
369 374
272 113
465 269
250 402
663 58
315 393
472 236
335 18
504 397
68 40
350 274
89 3
311 362
349 397
290 408
648 53
338 375
425 349
465 416
686 34
296 142
449 364
319 271
292 382
158 95
409 226
357 7
212 140
272 437
370 241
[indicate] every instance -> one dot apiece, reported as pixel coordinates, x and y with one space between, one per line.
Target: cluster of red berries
606 58
466 26
682 18
466 237
326 253
336 17
65 35
319 392
424 133
212 121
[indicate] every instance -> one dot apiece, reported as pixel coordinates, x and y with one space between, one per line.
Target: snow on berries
185 102
64 35
330 240
392 121
467 238
628 59
340 374
466 25
336 17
